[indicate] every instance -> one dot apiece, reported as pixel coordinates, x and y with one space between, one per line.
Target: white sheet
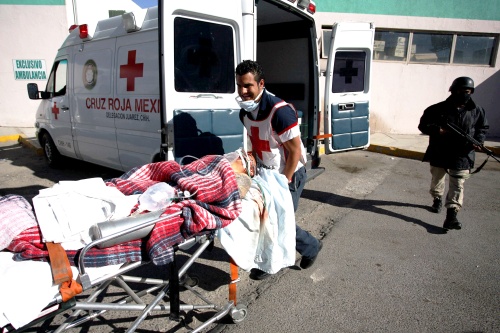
26 288
66 211
267 244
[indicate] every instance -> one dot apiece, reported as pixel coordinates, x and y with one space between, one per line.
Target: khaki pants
455 195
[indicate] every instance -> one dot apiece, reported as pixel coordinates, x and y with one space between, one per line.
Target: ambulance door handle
64 108
346 106
207 96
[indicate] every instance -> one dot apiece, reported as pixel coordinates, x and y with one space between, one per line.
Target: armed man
449 153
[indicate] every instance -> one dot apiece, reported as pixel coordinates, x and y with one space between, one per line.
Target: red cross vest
266 144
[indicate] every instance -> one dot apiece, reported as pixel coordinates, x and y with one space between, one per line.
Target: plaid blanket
215 203
29 246
16 215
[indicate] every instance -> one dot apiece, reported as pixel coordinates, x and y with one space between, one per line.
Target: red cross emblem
55 110
131 70
258 145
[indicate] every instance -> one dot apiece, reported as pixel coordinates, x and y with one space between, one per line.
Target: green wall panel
33 2
463 9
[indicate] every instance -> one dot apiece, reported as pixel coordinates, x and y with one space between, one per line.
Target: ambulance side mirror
33 91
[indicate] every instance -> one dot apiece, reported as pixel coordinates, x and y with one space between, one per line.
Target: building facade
32 32
420 47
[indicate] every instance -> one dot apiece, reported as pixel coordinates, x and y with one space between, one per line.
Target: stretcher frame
133 302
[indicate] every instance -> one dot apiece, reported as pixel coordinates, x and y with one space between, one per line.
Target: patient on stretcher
218 184
248 207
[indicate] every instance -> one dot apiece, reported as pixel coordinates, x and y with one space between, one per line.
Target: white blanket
26 288
264 241
66 211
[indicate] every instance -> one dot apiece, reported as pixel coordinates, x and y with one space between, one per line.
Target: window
433 47
427 47
474 50
349 72
57 79
203 56
390 45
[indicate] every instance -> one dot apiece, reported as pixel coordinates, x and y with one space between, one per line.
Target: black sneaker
437 205
305 263
257 274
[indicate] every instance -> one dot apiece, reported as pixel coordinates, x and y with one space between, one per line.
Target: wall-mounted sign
29 69
379 45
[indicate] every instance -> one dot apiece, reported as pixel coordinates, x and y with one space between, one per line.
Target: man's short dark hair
249 66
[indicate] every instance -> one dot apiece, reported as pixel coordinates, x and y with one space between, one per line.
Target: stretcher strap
61 272
70 289
59 263
234 279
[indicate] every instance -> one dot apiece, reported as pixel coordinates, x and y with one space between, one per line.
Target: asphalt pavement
388 267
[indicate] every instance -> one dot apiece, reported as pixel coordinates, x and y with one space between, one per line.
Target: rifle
476 143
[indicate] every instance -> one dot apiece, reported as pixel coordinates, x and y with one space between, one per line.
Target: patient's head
244 167
242 162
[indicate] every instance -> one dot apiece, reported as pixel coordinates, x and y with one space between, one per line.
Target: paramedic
275 137
448 152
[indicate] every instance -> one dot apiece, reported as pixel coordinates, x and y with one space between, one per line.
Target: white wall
37 32
400 92
28 32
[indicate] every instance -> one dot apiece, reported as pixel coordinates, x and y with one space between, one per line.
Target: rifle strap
472 172
481 166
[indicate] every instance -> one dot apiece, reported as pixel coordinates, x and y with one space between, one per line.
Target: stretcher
197 232
166 291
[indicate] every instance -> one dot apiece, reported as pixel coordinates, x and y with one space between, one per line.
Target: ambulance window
57 79
349 71
203 56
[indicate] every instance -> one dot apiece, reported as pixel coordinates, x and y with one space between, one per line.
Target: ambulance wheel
50 151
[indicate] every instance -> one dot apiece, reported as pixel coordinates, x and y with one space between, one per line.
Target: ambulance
160 84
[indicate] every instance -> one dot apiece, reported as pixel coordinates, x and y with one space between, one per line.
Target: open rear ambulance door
200 46
347 88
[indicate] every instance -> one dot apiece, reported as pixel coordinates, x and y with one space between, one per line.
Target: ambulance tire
50 151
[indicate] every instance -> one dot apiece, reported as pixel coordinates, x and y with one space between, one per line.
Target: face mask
461 98
250 105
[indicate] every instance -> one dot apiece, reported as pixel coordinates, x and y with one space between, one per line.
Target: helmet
462 82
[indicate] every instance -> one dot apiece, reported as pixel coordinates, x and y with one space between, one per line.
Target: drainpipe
75 12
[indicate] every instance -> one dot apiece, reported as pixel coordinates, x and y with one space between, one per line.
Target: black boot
451 221
437 205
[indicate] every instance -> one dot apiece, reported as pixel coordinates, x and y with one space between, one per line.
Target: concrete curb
398 152
6 138
495 150
30 143
34 145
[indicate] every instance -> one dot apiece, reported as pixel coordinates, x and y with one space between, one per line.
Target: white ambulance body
160 85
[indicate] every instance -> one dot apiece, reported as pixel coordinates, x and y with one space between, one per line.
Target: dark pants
306 245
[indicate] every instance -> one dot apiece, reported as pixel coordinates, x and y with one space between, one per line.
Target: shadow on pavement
371 206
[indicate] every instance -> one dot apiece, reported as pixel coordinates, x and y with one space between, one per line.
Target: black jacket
450 150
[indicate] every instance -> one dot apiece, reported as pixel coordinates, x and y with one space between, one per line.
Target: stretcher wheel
191 281
239 313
